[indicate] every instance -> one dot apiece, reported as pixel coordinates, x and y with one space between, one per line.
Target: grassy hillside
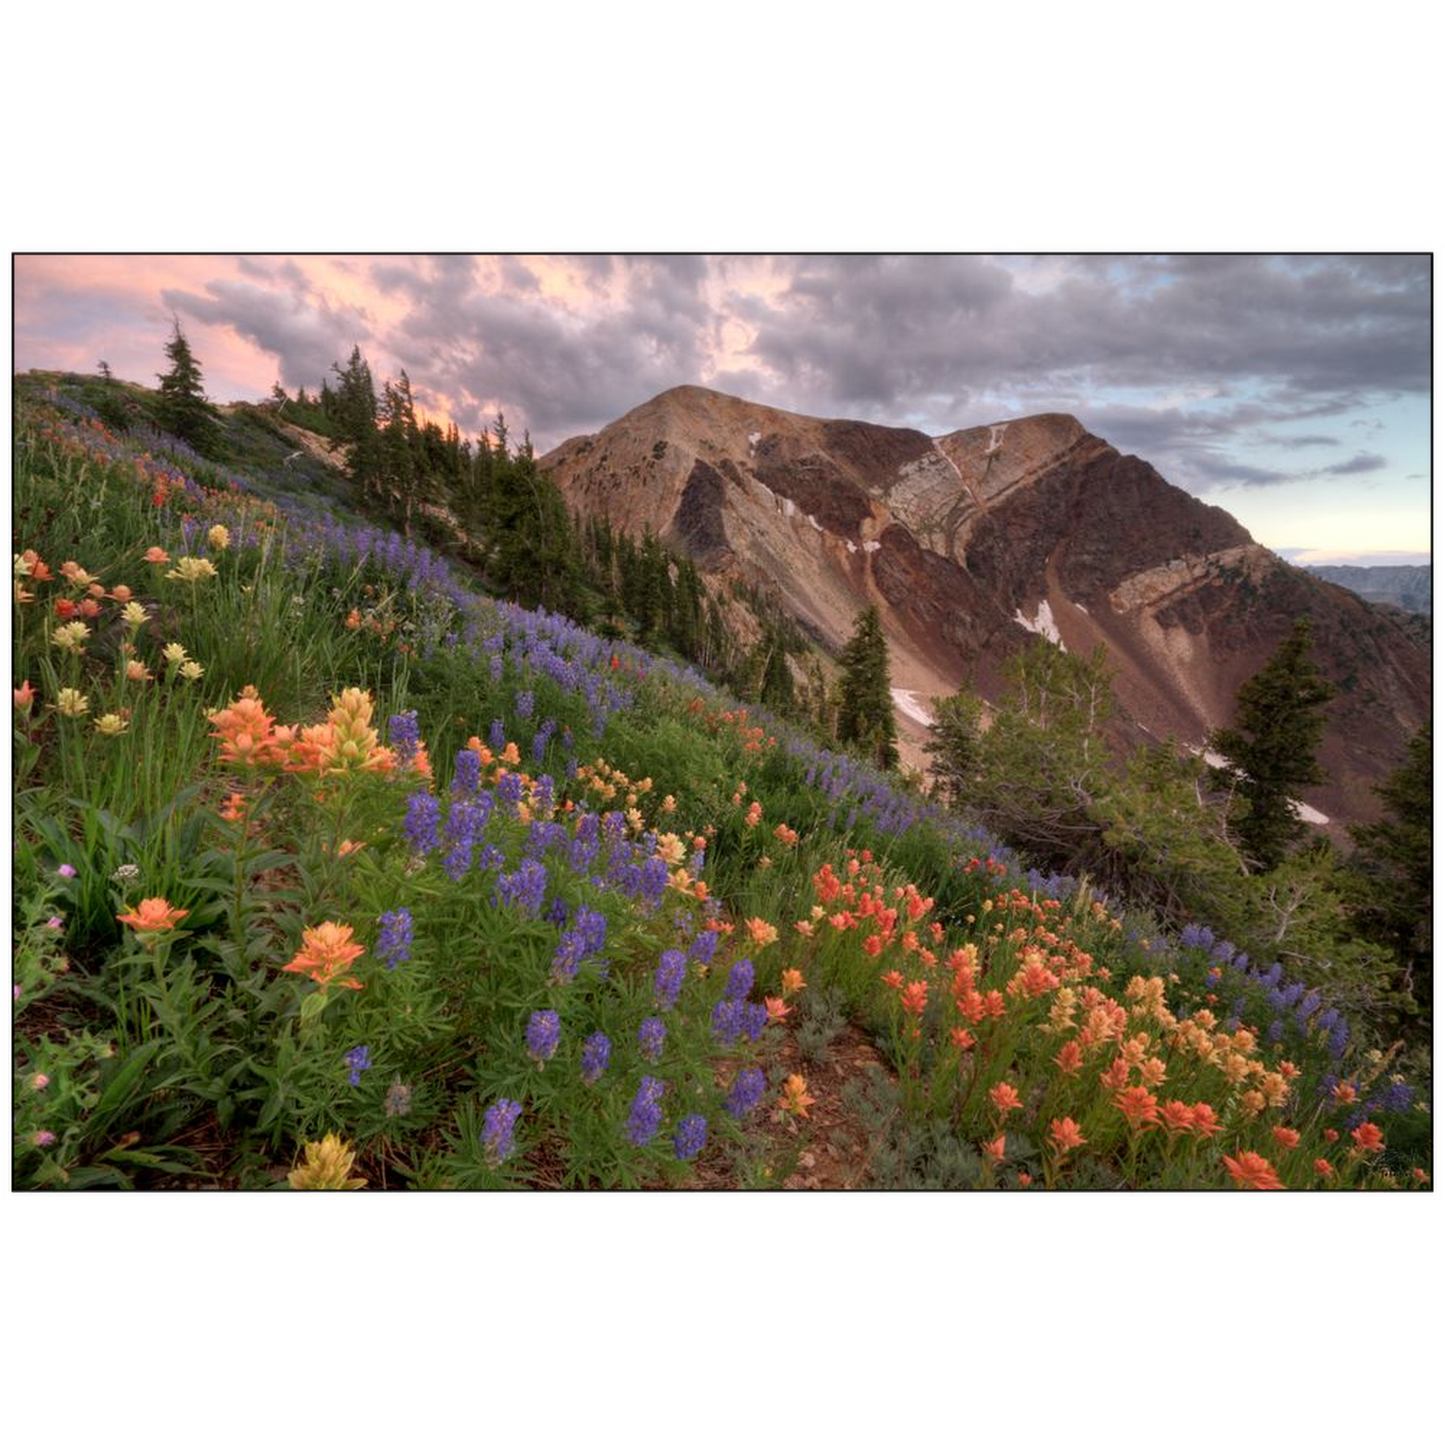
330 870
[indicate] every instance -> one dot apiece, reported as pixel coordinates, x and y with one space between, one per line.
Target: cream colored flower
191 569
174 653
71 703
134 614
70 636
112 725
219 537
192 671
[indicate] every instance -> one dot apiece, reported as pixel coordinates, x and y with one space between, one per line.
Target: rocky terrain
971 542
1407 587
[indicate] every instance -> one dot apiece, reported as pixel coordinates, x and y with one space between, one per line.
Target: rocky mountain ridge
971 541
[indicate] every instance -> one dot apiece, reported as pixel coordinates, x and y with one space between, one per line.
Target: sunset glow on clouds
1293 391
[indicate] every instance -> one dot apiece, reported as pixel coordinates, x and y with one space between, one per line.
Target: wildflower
235 809
795 1097
39 1081
1252 1171
42 1138
192 570
153 915
219 537
126 873
668 979
1287 1138
1369 1138
915 998
740 980
121 594
793 981
1344 1093
66 870
359 1059
76 574
328 1166
892 979
137 671
174 653
1064 1135
246 731
1324 1168
157 555
397 1103
994 1150
110 725
746 1093
1177 1118
192 671
777 1010
651 1036
24 697
326 954
761 932
596 1053
544 1029
393 944
498 1124
691 1136
1138 1106
1070 1058
423 818
70 637
1004 1097
646 1114
961 1038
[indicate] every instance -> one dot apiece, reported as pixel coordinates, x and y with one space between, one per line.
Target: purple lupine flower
405 736
467 777
1275 1032
497 735
568 957
490 857
727 1021
526 887
703 946
557 912
544 794
358 1059
494 666
646 1115
654 881
393 943
544 1030
746 1093
423 817
497 1126
753 1020
509 790
667 981
522 705
593 928
691 1135
596 1053
740 979
651 1036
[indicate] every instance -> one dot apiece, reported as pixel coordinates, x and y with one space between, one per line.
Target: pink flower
66 871
43 1138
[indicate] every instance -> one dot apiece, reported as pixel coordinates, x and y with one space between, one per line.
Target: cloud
304 330
1360 462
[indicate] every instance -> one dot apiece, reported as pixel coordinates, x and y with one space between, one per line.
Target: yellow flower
112 725
71 636
191 569
328 1166
174 653
192 671
70 703
219 537
634 820
672 849
134 614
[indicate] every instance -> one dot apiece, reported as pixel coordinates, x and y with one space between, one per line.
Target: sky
1293 391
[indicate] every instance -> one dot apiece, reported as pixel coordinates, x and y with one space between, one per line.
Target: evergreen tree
954 743
183 410
1272 747
355 416
776 691
104 368
1395 860
865 704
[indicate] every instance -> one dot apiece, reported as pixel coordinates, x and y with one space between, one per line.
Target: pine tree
953 743
865 706
1395 858
1272 747
184 410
